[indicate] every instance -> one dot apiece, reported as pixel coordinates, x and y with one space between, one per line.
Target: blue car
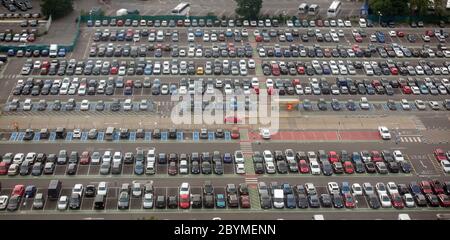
148 70
198 33
62 52
220 201
290 201
90 23
139 168
30 191
227 158
345 188
11 53
380 37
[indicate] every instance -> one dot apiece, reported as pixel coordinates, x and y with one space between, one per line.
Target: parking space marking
69 136
211 136
100 136
164 136
132 136
20 136
37 137
52 136
148 136
13 136
195 136
180 136
84 136
227 136
116 136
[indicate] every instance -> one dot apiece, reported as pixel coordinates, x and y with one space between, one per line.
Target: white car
381 188
415 90
117 157
434 105
265 133
3 202
269 83
27 105
315 167
420 104
357 189
18 158
368 188
364 103
106 156
185 188
78 189
270 167
238 157
102 188
127 105
76 134
240 168
255 82
392 33
62 203
333 187
398 156
409 200
384 132
445 166
84 105
385 200
268 156
392 188
251 64
147 202
405 104
299 89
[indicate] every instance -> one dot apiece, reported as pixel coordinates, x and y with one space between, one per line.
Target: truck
53 50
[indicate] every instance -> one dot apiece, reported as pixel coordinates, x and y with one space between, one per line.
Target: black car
370 167
302 201
172 202
420 200
405 166
327 168
206 168
325 199
259 168
338 202
13 203
90 191
313 201
282 167
195 167
72 169
160 201
373 201
75 201
208 201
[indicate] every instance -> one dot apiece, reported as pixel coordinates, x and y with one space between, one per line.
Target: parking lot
337 82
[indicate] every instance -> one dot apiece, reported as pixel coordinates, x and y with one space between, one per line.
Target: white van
53 50
303 8
362 23
313 10
278 198
318 217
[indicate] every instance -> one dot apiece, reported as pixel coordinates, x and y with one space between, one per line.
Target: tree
419 6
389 7
56 8
248 9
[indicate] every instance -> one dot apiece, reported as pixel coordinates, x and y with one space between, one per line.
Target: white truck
53 50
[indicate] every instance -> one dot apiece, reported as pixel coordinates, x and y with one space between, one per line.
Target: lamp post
379 18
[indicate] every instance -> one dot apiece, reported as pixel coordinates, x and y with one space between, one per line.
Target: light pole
379 17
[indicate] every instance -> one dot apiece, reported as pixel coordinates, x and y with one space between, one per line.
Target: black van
60 133
99 202
54 188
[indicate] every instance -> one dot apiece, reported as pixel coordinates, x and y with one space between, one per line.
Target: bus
180 8
334 9
313 9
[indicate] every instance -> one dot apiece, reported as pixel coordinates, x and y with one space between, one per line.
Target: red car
426 187
231 120
120 22
400 34
429 33
358 38
85 158
259 38
376 157
437 186
348 167
235 134
376 83
301 70
406 90
397 201
114 70
304 168
394 71
245 201
296 82
349 201
440 154
333 157
3 168
444 200
184 201
18 190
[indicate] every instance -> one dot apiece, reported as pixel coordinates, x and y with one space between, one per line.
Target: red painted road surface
321 135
